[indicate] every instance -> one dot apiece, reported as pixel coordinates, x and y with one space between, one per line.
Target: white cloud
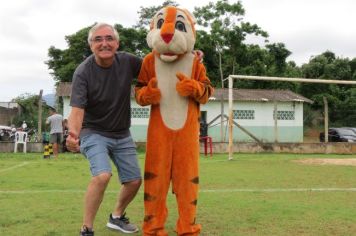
307 27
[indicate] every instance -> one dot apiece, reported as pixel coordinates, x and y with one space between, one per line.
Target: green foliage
222 36
340 98
63 63
133 40
225 35
146 13
344 112
204 42
29 111
277 58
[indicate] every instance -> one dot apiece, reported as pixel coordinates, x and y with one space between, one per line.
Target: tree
223 39
340 97
277 58
133 40
146 13
63 63
345 113
227 32
29 113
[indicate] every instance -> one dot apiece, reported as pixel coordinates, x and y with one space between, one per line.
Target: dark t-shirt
104 94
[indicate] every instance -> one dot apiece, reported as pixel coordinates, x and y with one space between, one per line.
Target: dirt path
327 161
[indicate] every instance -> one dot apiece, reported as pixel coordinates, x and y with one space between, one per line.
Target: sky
28 28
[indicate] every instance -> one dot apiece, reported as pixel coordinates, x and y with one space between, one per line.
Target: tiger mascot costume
173 81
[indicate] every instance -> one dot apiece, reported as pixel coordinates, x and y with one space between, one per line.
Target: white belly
173 107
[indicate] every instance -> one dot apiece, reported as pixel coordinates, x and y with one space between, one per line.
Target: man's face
104 43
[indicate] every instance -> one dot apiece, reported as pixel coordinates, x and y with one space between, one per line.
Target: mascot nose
167 37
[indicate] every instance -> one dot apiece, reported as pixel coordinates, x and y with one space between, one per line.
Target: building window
285 115
138 112
243 114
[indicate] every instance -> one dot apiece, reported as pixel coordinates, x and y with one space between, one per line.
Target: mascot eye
160 23
180 26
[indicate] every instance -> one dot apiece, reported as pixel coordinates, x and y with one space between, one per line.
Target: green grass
254 194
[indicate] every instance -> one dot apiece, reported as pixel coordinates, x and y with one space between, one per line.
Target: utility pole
39 127
326 120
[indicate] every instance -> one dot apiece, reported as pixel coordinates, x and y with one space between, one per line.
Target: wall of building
257 118
139 121
66 107
7 115
297 148
9 104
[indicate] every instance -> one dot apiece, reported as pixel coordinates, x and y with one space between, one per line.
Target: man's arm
75 121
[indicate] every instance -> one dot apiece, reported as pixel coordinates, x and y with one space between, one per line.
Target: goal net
231 78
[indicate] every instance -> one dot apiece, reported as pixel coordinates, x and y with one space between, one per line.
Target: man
56 130
100 116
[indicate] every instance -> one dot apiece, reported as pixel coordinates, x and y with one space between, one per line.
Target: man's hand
149 94
200 55
72 142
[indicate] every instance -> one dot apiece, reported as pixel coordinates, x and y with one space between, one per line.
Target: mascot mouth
169 54
168 57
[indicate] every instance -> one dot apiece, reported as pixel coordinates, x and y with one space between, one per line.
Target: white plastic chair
21 137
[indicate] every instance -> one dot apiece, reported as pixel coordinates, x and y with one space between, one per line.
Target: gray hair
98 26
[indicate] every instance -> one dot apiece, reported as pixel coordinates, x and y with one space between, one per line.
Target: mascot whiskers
173 81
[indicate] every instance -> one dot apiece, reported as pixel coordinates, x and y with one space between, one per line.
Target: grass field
254 194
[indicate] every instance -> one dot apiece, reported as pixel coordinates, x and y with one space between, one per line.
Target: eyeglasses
100 39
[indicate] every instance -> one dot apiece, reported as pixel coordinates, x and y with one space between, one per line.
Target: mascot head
172 33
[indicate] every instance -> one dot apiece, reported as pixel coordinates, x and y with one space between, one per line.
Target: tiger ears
152 23
192 19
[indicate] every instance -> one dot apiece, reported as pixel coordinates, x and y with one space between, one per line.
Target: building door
203 124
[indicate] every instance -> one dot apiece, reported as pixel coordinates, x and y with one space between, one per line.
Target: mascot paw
153 94
188 87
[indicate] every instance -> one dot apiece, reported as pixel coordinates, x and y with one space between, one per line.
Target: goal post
267 78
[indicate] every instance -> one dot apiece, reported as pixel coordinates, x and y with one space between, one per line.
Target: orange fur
172 152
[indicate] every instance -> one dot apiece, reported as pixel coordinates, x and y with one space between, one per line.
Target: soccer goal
231 79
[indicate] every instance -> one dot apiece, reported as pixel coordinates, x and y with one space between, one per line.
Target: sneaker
85 231
122 224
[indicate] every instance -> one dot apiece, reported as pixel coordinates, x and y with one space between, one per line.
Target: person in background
56 130
100 117
24 126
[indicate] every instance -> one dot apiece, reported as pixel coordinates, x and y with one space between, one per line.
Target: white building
252 109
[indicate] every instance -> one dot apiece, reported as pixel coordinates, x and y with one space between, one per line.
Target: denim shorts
99 150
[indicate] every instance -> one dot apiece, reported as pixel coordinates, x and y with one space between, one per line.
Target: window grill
285 115
244 114
138 112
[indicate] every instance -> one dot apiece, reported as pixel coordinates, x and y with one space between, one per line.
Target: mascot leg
156 185
185 179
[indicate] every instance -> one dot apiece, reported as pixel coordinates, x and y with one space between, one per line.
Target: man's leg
94 147
94 197
127 194
55 149
124 156
53 139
